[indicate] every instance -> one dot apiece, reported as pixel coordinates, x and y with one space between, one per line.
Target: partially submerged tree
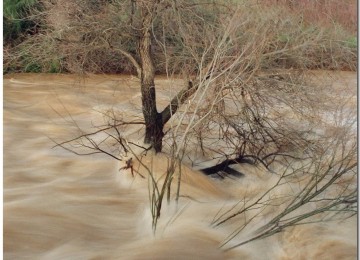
213 45
235 105
128 30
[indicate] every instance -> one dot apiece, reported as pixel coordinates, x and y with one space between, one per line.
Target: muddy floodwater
58 205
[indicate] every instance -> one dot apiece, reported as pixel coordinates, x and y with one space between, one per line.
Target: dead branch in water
326 189
130 165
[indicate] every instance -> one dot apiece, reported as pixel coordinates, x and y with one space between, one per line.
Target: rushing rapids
61 206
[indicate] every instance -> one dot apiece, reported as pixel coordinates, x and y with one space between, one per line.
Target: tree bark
153 123
178 100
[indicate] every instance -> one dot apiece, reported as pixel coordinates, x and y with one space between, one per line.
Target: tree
146 12
237 105
142 17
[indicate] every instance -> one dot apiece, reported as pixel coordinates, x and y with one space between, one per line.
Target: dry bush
236 105
241 111
37 54
321 189
89 36
240 102
325 13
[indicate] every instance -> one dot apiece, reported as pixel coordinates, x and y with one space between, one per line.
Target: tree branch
132 60
178 100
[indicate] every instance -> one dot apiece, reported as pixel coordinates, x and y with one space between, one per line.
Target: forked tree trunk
153 120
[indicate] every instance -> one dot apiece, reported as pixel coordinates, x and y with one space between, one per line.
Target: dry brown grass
326 13
316 34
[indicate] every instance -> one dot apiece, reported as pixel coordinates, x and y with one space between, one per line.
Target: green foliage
351 42
16 18
55 66
284 38
16 9
33 67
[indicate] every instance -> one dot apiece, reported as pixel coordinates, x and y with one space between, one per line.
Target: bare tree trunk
153 122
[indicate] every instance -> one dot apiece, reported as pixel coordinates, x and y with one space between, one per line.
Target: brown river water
58 205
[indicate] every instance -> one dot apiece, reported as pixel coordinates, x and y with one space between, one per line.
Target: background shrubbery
77 36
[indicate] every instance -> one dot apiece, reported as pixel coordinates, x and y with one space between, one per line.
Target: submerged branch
178 100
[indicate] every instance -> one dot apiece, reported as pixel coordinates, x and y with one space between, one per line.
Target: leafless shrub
236 104
92 37
323 186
